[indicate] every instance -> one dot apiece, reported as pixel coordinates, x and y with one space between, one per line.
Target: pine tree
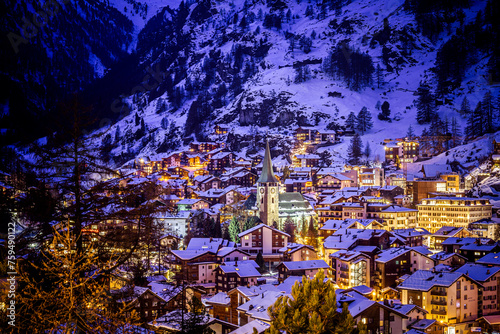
474 126
368 150
385 114
234 230
355 150
312 308
351 121
465 108
312 234
426 109
456 133
410 134
260 261
364 120
488 113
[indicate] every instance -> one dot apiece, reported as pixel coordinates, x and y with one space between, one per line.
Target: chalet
326 136
266 240
302 268
228 195
348 239
306 160
238 176
332 181
453 260
220 161
471 248
172 160
188 204
239 296
179 171
229 276
306 133
205 147
298 252
399 317
393 263
220 130
412 236
145 302
170 241
206 182
445 232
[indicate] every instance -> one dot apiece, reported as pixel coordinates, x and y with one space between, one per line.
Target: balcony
343 275
438 302
440 312
438 292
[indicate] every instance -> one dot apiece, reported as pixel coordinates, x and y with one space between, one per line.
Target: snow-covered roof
306 265
491 258
241 269
255 228
478 272
220 298
249 328
424 280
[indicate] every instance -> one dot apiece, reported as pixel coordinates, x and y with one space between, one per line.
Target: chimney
235 263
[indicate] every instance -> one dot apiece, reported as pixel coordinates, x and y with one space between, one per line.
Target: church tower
267 192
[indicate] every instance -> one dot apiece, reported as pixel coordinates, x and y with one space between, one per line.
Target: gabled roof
478 272
258 325
424 280
491 258
189 254
220 298
255 228
306 265
267 174
241 269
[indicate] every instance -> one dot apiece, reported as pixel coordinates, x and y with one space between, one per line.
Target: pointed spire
267 168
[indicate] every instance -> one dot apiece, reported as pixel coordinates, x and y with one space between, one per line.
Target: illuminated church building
272 206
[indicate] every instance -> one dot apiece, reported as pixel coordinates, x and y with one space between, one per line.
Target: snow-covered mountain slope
261 67
204 45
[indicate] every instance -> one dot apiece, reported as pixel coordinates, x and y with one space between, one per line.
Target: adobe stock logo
39 20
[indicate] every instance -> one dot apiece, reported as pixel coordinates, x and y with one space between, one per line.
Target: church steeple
267 168
267 191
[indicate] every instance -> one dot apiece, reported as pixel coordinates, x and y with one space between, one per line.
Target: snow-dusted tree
410 134
351 121
465 108
488 113
364 120
311 308
386 111
456 133
475 121
355 151
368 151
426 103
